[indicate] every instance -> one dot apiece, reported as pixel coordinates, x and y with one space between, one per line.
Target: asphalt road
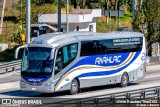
9 86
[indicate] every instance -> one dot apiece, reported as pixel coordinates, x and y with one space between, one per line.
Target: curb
153 67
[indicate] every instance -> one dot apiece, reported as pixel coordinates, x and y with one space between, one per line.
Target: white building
79 19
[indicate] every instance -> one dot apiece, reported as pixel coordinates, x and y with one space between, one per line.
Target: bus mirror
17 50
52 54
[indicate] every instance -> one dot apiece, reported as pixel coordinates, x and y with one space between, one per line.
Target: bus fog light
22 82
52 81
47 84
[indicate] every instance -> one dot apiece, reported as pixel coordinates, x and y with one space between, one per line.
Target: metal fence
132 98
11 66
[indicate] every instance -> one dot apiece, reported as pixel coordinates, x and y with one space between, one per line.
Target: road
9 86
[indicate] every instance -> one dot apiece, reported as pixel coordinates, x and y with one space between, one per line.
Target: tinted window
90 48
111 46
65 56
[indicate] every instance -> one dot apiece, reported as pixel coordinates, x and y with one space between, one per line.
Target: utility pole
1 24
59 15
67 11
28 18
107 8
134 8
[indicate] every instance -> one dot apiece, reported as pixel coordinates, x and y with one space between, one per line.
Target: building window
77 28
91 28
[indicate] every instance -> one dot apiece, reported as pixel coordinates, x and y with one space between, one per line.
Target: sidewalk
153 67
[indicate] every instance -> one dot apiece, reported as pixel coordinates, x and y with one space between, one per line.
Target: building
78 19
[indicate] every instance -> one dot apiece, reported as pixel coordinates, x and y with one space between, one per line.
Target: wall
82 26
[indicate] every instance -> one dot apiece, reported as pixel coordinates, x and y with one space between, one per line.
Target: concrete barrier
3 47
153 60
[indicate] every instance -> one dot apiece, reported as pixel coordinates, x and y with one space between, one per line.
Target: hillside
13 15
10 7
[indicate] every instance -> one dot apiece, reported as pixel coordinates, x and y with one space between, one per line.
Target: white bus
70 61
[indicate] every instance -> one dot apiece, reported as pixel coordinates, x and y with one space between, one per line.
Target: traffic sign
119 13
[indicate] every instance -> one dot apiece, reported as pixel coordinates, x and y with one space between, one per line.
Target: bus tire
124 80
74 87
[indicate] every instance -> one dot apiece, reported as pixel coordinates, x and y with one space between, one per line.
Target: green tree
16 37
88 3
149 15
41 2
37 7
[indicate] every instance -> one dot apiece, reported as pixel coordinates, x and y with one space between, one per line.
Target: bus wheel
74 87
124 80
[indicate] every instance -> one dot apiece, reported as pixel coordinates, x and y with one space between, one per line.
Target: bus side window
89 48
65 56
69 54
58 65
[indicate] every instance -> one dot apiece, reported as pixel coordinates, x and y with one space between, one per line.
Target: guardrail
130 97
10 66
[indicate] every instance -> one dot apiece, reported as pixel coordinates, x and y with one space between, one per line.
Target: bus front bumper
43 88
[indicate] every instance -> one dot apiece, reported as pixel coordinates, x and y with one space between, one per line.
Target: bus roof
52 38
112 35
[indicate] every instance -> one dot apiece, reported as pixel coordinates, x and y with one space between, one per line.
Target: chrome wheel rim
124 79
74 87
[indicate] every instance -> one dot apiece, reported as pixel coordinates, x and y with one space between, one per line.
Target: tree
37 7
149 15
88 3
41 2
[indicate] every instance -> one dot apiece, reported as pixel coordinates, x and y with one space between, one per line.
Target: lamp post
59 15
134 7
28 18
67 11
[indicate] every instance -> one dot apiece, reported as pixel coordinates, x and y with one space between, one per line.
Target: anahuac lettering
107 59
34 80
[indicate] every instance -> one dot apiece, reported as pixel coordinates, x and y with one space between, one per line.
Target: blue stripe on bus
90 60
104 73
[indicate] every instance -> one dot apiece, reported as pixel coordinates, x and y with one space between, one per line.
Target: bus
74 60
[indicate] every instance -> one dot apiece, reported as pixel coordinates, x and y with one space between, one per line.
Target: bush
17 37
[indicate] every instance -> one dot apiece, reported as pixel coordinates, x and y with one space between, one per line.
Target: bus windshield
36 62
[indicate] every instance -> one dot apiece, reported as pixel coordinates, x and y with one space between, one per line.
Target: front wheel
124 80
74 87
